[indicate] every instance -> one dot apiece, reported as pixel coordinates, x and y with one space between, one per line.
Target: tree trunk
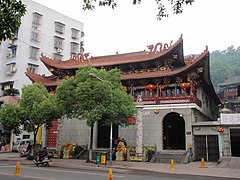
34 137
91 142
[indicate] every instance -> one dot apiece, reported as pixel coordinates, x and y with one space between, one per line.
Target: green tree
224 64
11 12
39 108
177 5
93 100
10 117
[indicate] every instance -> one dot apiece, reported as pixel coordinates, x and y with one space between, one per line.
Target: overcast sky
128 28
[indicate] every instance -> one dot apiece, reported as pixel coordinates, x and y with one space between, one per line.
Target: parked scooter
45 161
43 158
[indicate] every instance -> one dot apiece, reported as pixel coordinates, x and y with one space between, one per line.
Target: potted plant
150 153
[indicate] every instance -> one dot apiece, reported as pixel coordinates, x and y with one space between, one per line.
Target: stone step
179 157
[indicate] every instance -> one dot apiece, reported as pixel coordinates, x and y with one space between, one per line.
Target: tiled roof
110 60
9 99
47 81
114 60
230 81
190 62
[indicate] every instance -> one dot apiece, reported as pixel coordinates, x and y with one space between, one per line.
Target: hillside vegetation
224 64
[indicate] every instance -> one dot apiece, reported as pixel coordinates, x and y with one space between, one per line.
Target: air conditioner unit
59 50
14 69
9 53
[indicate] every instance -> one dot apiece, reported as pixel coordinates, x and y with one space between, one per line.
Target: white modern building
43 30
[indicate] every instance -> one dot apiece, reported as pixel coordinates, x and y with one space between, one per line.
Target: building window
82 46
34 53
16 34
32 68
57 56
74 47
82 34
35 36
75 33
26 136
36 19
58 44
12 51
59 27
7 86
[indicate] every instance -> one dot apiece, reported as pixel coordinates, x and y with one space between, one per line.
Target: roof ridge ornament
159 47
80 56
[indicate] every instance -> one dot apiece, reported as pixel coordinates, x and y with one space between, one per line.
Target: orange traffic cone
110 174
17 170
202 163
172 164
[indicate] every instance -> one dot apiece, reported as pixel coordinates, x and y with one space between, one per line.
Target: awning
29 63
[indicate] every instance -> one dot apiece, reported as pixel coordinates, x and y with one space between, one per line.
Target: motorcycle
44 161
24 153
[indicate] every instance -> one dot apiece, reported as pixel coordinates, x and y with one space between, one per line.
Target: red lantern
184 86
124 88
131 120
220 130
151 87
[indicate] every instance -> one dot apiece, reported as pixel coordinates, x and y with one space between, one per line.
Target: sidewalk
194 168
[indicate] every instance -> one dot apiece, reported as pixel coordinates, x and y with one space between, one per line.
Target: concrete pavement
194 168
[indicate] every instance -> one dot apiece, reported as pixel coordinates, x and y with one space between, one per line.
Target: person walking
3 145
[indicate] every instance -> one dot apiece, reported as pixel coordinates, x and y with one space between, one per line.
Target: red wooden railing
171 100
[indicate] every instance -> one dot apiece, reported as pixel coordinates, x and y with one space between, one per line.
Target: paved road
30 172
211 169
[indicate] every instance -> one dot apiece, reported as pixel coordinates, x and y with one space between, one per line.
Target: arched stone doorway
174 132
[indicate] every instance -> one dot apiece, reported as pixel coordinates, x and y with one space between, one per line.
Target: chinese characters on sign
230 118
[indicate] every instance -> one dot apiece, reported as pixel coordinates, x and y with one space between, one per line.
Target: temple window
59 27
36 19
33 68
74 47
75 33
34 53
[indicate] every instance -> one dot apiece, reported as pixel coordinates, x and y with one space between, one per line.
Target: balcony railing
171 100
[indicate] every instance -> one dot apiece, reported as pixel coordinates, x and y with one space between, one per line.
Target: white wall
46 45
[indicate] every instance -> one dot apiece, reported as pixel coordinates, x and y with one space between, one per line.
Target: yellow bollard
17 170
202 163
172 164
110 174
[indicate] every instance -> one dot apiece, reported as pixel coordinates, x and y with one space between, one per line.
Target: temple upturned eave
191 63
47 81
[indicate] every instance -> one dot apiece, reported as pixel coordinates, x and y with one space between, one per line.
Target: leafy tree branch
177 5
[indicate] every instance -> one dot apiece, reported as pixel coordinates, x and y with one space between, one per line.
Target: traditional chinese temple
180 106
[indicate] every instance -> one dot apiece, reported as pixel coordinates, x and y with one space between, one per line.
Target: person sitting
29 148
43 153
